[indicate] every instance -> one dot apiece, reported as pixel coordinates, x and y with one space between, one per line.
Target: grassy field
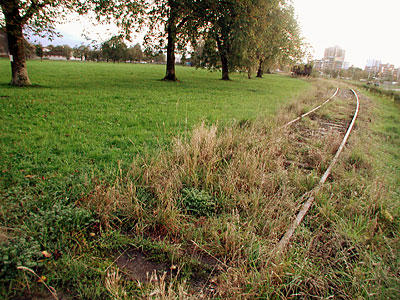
107 172
80 119
89 116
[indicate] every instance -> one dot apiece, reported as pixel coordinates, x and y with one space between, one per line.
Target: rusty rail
311 111
281 246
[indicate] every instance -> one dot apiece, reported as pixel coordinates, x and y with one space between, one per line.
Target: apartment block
333 59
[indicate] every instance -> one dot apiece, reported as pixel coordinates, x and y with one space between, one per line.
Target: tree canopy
40 17
228 35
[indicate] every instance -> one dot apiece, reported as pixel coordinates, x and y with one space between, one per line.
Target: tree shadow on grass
33 86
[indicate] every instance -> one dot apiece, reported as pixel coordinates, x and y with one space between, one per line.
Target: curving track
311 111
309 196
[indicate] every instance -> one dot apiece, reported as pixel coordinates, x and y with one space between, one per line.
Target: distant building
47 53
3 44
333 60
373 66
386 70
336 53
396 74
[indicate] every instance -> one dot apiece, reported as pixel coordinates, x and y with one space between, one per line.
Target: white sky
366 29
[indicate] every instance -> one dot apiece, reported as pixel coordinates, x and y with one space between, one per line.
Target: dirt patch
136 266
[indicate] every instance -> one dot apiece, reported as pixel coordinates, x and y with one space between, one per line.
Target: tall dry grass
240 169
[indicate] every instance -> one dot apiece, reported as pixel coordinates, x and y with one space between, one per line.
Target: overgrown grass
209 197
64 138
348 246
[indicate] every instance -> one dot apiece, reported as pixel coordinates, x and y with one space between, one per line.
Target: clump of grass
198 202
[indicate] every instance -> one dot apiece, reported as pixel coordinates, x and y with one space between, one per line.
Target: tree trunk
171 30
249 73
260 69
16 46
224 59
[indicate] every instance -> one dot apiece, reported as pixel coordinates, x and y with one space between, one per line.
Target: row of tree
251 35
114 50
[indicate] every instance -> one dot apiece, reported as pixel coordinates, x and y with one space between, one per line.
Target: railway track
311 111
322 128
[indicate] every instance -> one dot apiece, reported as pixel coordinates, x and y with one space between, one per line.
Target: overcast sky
366 29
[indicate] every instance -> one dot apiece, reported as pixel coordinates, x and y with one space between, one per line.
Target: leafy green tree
39 51
247 34
229 24
93 53
171 23
114 49
278 40
135 53
62 51
40 17
205 54
81 52
66 52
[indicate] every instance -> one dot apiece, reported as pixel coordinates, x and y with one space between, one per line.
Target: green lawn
72 128
61 142
86 116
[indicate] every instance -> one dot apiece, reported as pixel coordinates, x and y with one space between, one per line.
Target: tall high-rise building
333 59
335 53
373 66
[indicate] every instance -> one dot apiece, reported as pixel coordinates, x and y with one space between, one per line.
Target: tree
279 39
93 54
18 14
29 50
246 34
81 52
225 27
39 51
135 53
39 16
114 49
170 24
66 51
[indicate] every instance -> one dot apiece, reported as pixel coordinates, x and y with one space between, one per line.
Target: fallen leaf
46 254
30 176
